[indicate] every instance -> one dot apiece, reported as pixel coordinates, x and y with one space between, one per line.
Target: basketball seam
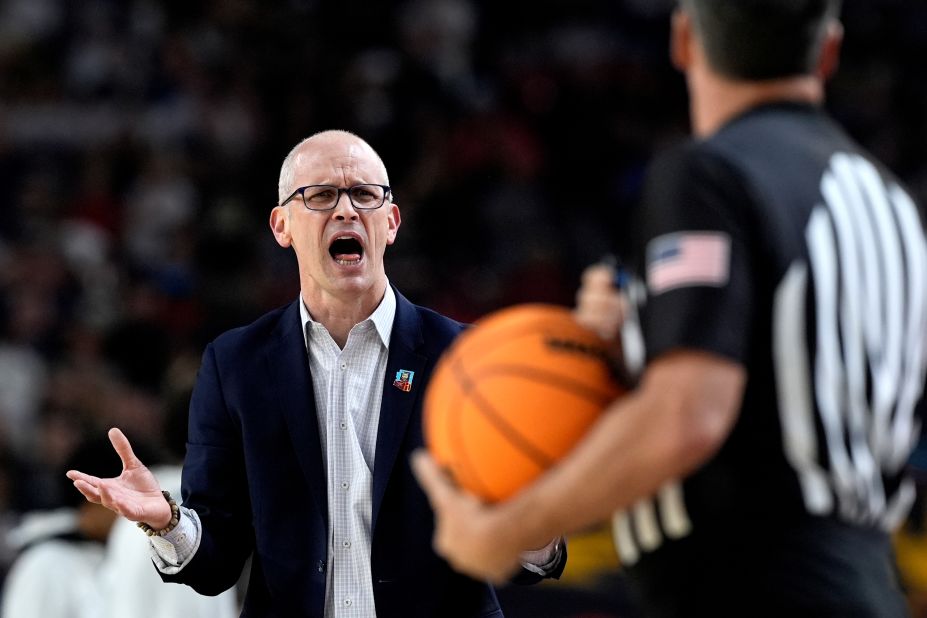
511 333
586 392
512 434
461 458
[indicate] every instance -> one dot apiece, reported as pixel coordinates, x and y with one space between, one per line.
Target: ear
280 226
394 220
681 38
829 60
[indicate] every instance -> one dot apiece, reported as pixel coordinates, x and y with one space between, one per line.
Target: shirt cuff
173 551
542 561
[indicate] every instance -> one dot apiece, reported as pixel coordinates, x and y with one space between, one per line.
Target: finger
604 321
604 306
609 305
119 505
121 443
435 483
599 276
623 306
598 300
89 491
106 496
76 475
598 286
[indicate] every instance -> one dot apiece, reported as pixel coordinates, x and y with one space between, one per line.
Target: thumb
123 449
435 483
599 276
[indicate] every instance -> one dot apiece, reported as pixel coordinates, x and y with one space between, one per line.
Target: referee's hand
600 304
475 538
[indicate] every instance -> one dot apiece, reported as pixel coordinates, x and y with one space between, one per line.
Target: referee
781 296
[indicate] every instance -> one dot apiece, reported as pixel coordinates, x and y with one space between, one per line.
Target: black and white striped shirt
779 244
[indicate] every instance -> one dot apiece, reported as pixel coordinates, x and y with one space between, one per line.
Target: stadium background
140 143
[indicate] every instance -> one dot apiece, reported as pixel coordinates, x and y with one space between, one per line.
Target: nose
344 209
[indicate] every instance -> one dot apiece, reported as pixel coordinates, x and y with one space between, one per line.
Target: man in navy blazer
302 425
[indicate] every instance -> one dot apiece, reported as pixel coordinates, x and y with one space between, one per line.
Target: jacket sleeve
215 486
526 576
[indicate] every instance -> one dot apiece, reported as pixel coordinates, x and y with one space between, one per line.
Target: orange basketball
514 394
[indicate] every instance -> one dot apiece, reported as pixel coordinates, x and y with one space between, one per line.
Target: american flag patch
686 259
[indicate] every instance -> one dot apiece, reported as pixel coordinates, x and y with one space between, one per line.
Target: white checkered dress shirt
348 391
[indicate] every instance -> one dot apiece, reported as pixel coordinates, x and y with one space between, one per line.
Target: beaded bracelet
175 519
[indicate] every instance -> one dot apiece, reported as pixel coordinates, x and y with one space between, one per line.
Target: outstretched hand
135 494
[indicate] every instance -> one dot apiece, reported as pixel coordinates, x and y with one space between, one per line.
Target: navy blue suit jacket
255 474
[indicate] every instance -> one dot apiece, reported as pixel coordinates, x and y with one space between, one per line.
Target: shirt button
344 425
343 365
344 485
346 544
347 602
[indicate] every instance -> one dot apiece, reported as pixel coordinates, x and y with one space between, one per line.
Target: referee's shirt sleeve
693 255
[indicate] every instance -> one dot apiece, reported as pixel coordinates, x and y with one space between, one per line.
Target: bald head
323 143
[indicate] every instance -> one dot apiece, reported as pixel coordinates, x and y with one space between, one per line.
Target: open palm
134 494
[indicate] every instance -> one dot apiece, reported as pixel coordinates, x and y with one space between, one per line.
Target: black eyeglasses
325 197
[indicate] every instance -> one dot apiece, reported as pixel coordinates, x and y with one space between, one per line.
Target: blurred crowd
140 143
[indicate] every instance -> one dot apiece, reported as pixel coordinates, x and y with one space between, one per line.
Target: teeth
347 262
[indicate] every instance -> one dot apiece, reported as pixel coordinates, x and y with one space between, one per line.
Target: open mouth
346 250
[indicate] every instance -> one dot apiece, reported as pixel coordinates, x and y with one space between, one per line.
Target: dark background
140 145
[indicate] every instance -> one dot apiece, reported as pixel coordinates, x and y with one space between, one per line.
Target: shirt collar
381 318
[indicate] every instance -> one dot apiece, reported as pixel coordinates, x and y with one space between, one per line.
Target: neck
339 313
715 100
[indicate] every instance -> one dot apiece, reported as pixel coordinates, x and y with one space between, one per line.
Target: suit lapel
289 368
397 404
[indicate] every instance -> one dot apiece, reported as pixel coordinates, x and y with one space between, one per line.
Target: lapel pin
403 380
